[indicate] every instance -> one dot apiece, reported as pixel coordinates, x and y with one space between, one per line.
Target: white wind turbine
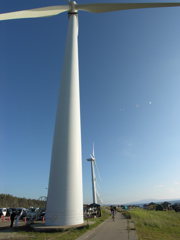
65 198
94 181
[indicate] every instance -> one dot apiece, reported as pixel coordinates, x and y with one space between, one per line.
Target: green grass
152 225
69 234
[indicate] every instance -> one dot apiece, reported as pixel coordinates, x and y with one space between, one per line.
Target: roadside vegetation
69 234
151 225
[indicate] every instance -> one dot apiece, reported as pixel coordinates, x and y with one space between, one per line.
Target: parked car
41 216
21 211
176 207
18 212
4 211
12 210
8 213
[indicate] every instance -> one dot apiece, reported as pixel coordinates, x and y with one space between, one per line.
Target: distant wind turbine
94 180
65 198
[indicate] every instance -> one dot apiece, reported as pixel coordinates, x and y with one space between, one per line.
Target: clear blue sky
130 100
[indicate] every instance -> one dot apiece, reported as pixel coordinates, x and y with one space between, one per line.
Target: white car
4 211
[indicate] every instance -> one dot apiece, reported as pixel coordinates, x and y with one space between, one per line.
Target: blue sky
130 101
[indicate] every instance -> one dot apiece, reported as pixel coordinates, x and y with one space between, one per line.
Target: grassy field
155 225
70 234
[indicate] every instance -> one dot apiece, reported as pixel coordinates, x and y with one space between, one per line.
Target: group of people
13 215
113 212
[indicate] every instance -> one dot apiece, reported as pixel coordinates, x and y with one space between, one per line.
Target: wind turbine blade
35 13
97 184
93 150
109 7
97 170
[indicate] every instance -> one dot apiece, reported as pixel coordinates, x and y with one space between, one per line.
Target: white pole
65 195
93 183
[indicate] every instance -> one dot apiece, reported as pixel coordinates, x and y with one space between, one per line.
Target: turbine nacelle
72 7
90 159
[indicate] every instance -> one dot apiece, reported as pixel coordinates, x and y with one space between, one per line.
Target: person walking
113 212
12 218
